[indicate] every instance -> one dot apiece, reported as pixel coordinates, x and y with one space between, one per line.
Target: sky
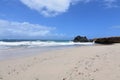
59 19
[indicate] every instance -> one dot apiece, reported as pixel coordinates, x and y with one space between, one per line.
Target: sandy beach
101 62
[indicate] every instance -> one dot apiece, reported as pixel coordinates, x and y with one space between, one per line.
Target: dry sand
79 63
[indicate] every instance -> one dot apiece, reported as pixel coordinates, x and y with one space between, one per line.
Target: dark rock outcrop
107 40
80 39
91 40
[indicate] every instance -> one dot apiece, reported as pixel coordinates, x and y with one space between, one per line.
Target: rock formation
107 40
80 39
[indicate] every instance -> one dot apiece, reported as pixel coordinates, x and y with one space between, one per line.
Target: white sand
80 63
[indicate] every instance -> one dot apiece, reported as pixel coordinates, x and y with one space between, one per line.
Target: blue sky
59 19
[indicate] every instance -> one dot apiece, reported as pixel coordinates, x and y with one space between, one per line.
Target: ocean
18 48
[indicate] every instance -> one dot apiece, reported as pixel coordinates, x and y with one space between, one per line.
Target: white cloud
116 27
50 7
55 7
24 29
111 3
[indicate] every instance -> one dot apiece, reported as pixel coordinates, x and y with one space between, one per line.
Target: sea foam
42 43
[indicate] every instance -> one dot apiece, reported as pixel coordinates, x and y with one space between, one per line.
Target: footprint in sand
36 79
28 65
96 70
1 78
80 73
8 66
97 56
64 79
14 70
9 73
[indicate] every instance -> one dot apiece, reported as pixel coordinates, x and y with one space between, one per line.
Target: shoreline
86 62
19 52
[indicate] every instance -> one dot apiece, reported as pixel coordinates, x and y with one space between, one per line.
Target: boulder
107 40
80 39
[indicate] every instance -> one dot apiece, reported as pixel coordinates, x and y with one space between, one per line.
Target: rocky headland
104 40
107 40
80 39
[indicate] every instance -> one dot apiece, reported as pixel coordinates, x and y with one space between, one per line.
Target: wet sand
101 62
